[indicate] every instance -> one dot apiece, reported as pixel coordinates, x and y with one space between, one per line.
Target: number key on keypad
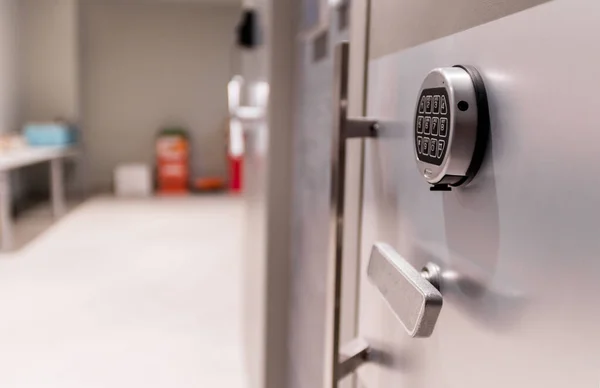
428 104
443 106
443 127
427 125
420 120
432 147
436 104
435 125
440 148
426 146
422 105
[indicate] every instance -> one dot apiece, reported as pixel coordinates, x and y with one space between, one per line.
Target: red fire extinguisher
235 155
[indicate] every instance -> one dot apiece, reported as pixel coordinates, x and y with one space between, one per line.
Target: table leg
6 226
58 187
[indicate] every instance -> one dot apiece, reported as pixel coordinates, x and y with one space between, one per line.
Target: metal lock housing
452 125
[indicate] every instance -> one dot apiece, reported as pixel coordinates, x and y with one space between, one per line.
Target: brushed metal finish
413 299
344 128
336 214
519 245
463 125
313 106
360 128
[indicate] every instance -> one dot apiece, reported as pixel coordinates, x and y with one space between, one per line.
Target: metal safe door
519 247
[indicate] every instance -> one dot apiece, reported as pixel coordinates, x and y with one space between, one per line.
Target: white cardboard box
133 180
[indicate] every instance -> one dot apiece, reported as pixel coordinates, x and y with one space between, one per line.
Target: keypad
432 125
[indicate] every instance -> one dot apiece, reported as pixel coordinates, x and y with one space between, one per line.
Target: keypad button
426 146
444 127
427 125
435 126
419 144
443 105
432 147
422 105
428 104
436 104
420 120
440 148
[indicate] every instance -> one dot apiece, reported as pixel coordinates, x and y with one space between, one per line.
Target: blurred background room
120 180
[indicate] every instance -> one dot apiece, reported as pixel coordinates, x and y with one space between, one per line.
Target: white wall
147 65
8 66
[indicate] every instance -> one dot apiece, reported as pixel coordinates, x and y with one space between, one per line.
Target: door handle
413 295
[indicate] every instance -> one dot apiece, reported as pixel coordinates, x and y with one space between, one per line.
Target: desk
12 160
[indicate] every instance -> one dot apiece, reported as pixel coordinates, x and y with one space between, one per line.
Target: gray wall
8 67
147 65
48 83
49 59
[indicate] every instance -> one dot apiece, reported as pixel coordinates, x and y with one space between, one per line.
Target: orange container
172 161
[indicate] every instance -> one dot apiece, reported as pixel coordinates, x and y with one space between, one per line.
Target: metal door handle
413 296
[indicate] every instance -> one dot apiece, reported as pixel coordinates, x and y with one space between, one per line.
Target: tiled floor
127 293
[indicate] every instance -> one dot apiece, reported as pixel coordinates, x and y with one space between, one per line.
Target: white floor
127 293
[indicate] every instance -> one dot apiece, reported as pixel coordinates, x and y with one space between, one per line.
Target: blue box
50 134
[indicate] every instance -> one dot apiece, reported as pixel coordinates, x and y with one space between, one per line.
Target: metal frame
343 129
